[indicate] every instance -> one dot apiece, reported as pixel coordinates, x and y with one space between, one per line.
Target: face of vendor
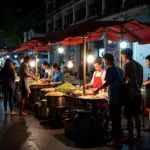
54 69
44 66
148 63
97 66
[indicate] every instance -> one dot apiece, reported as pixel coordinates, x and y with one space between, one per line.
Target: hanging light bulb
7 56
32 63
15 56
90 57
123 44
60 50
70 64
21 60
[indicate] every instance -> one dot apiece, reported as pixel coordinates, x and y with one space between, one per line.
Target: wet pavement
26 133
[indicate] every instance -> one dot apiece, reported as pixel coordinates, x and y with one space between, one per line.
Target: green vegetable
65 87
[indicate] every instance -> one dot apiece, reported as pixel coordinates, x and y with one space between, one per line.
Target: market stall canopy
33 45
6 50
78 40
132 31
77 31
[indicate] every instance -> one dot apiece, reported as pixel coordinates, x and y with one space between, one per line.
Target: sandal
6 113
115 144
13 113
147 129
23 114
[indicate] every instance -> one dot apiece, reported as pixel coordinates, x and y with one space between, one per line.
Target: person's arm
146 83
107 81
61 80
104 86
92 81
125 73
26 74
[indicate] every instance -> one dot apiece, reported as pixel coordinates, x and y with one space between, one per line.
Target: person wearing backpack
133 73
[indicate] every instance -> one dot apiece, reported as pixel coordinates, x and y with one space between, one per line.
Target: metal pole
36 65
84 64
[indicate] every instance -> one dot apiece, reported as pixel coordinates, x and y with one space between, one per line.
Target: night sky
15 10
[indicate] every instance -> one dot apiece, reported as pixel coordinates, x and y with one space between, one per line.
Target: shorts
148 102
133 107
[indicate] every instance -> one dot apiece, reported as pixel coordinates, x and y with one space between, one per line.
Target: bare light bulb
90 58
60 50
123 44
32 63
70 64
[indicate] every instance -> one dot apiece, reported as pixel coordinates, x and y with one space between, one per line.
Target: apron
97 81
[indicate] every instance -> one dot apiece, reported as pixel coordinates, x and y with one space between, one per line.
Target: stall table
37 87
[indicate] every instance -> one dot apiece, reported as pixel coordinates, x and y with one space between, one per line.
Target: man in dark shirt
147 86
133 72
113 78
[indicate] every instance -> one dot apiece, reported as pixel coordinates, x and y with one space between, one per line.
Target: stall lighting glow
38 60
60 50
70 64
21 60
15 56
123 44
32 63
90 58
2 58
7 56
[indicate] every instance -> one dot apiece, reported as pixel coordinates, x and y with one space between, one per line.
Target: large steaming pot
54 103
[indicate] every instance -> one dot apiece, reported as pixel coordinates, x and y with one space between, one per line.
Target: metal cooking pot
143 92
43 111
43 102
55 102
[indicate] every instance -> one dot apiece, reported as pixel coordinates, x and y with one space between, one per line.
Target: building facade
65 13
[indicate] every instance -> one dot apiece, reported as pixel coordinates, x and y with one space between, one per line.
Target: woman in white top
48 72
98 76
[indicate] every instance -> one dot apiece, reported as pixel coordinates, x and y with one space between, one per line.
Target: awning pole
84 64
36 65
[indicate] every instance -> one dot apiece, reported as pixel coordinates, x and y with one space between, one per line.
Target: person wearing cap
133 73
98 78
147 86
48 72
113 80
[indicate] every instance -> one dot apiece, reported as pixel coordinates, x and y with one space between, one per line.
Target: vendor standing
98 76
58 77
48 72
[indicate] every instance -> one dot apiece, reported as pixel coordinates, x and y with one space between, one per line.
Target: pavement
27 133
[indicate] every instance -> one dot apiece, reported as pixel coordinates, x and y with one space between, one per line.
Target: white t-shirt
49 71
99 74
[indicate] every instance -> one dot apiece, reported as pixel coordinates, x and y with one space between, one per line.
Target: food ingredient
65 87
55 94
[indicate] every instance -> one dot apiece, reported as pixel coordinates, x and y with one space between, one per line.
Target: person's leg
128 110
10 94
138 102
5 101
11 103
130 127
115 114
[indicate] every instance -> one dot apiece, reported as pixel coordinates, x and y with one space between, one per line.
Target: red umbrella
132 31
78 40
43 48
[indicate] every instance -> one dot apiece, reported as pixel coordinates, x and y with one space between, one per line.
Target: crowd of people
113 78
